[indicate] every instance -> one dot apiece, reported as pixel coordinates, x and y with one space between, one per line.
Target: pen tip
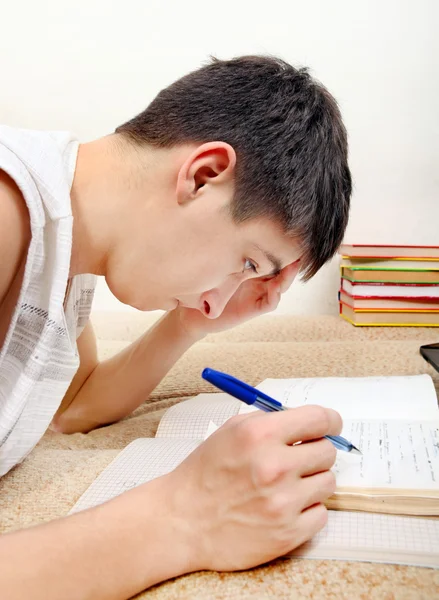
355 450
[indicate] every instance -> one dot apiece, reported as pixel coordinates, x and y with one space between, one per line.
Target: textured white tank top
39 356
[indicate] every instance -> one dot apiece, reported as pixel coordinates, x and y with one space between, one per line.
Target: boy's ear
209 164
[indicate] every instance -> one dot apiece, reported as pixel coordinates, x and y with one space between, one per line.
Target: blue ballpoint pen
256 398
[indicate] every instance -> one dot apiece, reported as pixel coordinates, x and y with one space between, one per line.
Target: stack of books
390 285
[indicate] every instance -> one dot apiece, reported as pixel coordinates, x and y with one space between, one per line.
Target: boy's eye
249 265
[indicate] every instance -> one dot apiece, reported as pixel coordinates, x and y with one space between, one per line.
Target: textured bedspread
59 470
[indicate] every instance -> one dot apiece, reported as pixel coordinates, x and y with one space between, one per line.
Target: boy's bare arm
14 231
105 392
14 241
110 552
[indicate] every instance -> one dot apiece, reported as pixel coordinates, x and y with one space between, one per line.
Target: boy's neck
109 176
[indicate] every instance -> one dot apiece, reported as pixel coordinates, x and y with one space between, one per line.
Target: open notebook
394 421
398 472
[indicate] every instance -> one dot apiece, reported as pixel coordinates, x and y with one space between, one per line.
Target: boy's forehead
277 248
271 232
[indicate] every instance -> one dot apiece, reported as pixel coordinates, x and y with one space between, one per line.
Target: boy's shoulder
14 242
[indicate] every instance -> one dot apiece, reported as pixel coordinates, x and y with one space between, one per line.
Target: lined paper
396 454
408 397
394 421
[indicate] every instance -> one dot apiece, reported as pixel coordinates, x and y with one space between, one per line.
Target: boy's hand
247 494
253 298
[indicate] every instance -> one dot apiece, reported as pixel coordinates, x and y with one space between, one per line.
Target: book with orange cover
389 319
393 264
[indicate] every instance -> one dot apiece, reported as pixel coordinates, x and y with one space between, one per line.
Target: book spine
381 268
382 281
386 246
357 312
432 299
391 310
393 284
364 257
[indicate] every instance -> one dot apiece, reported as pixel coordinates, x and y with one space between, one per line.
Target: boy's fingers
288 275
273 291
310 522
317 488
304 423
310 458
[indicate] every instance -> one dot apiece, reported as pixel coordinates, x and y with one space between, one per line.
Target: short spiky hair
288 135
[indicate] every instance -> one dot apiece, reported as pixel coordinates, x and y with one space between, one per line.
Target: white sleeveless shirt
39 356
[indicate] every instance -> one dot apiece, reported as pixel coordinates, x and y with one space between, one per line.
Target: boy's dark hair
288 135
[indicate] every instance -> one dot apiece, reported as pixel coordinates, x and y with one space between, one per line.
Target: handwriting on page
360 397
395 454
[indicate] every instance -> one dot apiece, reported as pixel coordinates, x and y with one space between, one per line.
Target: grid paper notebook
361 536
348 535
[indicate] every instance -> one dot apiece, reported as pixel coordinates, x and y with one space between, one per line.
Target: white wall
89 65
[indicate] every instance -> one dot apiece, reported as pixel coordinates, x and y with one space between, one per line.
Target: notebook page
142 460
396 454
191 418
375 538
348 535
412 397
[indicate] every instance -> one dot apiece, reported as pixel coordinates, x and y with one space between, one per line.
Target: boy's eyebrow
275 262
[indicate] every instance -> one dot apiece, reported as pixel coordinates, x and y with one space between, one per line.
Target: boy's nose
214 301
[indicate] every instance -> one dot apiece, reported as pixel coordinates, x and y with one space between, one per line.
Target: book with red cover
389 251
364 304
390 290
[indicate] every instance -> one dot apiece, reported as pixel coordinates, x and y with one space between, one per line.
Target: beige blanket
60 469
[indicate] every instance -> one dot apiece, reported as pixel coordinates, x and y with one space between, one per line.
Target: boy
205 205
